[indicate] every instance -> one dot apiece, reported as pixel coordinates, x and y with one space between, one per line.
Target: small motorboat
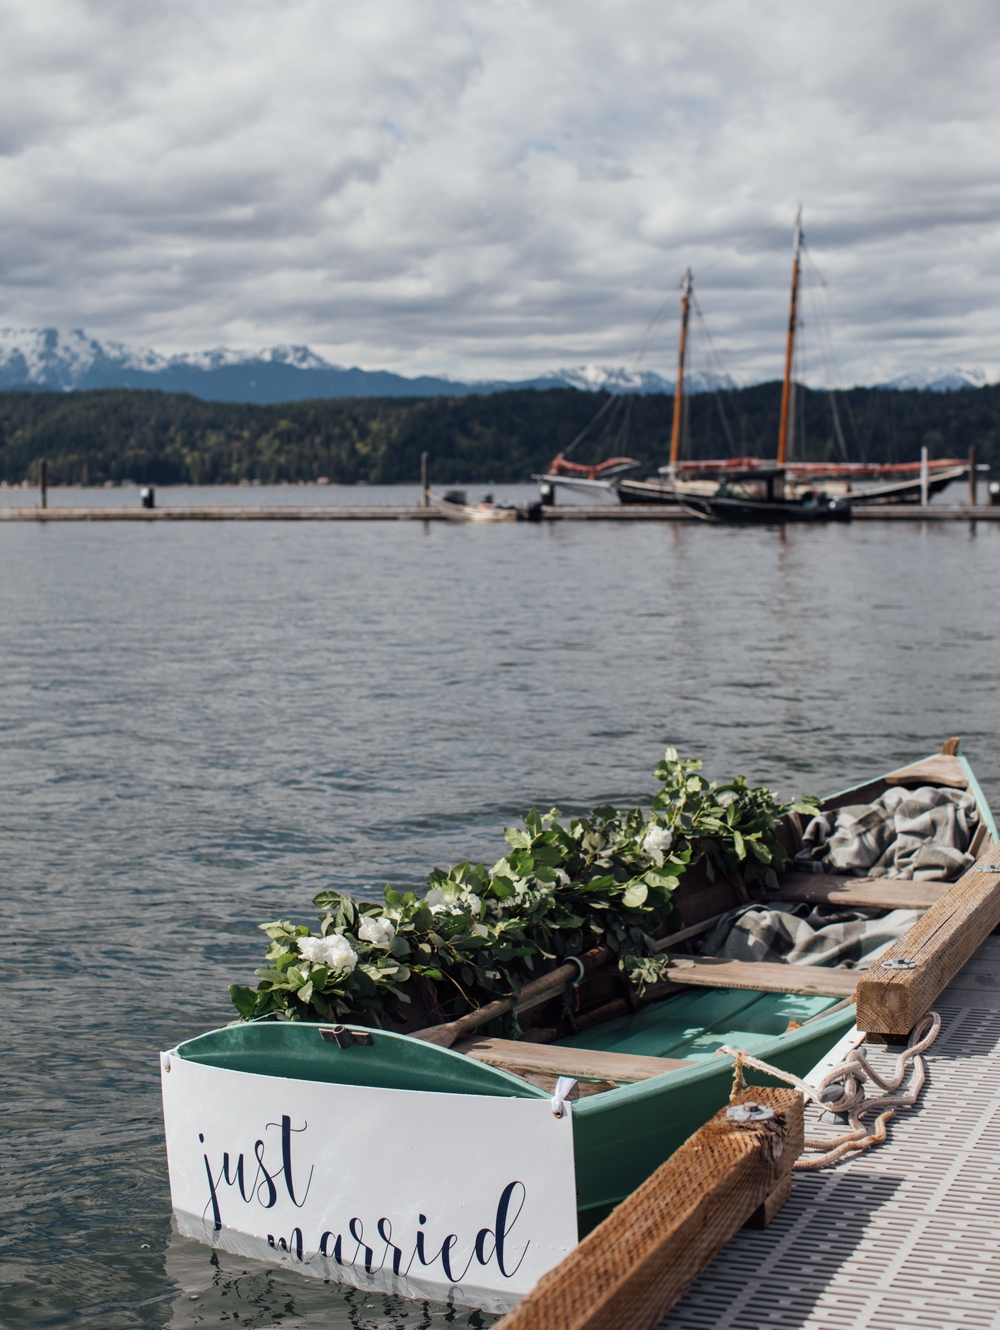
455 506
759 496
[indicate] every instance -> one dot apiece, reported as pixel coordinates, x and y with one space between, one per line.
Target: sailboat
672 489
760 494
754 489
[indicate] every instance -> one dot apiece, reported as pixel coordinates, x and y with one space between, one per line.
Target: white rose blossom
435 900
334 951
657 840
379 932
440 904
562 876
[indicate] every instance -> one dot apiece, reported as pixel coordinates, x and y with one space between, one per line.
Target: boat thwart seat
542 1064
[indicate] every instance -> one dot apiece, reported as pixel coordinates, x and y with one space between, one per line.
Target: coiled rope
850 1078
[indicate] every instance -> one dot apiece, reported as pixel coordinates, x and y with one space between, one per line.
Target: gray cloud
491 188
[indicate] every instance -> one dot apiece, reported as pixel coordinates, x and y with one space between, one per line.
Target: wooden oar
445 1035
548 985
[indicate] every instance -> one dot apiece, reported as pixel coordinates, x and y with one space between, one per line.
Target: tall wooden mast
675 436
788 388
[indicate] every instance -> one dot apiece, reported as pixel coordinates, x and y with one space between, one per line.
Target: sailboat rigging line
827 352
613 399
863 430
652 328
621 438
836 427
826 355
716 375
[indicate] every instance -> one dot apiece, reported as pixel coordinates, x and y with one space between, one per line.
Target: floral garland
478 934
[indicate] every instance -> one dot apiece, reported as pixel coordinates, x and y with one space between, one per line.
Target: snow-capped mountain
48 358
595 378
45 358
940 379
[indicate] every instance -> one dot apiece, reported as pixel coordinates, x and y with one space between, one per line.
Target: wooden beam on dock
890 1001
628 1272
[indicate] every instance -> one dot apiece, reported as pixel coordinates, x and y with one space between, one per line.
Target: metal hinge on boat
343 1037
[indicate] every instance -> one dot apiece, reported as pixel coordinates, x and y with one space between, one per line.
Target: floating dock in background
417 513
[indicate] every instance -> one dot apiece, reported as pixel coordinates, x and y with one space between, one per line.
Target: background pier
604 512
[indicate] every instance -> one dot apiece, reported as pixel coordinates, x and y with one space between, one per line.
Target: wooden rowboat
390 1160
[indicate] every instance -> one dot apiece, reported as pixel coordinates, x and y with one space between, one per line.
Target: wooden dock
416 513
648 1258
903 1236
227 513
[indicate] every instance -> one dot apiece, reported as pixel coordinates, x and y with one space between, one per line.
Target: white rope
850 1077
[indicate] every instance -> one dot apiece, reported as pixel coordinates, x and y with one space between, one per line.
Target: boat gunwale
631 1092
636 1091
525 1089
982 803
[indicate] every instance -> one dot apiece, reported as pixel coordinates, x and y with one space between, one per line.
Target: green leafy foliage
478 934
733 825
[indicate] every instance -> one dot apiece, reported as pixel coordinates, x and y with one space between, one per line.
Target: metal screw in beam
749 1112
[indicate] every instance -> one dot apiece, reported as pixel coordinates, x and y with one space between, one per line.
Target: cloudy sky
498 187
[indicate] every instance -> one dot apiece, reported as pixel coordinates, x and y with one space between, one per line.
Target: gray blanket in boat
915 834
801 934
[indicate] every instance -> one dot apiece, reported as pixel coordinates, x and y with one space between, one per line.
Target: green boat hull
620 1136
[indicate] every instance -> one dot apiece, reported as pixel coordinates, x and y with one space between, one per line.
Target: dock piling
424 481
972 476
43 483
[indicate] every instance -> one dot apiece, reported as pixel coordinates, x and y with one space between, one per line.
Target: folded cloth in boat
801 934
915 834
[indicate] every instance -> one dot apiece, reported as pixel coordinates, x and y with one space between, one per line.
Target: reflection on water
205 724
214 1286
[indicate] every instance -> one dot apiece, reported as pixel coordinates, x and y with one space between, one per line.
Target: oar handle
447 1034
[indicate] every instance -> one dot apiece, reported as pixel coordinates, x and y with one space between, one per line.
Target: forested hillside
163 438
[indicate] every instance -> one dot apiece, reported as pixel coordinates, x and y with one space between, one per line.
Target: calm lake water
205 724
